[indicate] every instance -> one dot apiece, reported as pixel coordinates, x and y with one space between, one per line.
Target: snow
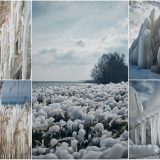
113 153
76 125
109 142
142 151
135 73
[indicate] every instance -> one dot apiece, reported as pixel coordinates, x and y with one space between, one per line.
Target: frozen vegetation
15 131
86 121
15 39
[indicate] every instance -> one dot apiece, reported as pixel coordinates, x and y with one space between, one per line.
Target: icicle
26 40
15 41
153 121
137 140
143 133
151 124
158 128
155 128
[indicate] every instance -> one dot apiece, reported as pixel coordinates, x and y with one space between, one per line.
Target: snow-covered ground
135 73
138 11
80 121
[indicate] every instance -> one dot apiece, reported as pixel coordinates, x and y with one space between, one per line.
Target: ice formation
15 40
144 125
145 50
80 121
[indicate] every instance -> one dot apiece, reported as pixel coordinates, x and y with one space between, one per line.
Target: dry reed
15 132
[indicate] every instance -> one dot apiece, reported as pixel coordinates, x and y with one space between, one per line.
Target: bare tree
110 68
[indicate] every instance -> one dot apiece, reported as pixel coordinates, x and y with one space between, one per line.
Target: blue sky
70 37
10 91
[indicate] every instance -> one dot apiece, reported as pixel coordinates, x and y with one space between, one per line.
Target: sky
16 91
68 37
145 88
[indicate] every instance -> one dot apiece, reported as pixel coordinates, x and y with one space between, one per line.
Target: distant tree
110 68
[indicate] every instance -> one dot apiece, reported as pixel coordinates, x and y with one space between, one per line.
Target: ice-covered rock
144 50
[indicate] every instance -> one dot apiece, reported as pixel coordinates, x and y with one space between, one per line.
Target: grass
15 132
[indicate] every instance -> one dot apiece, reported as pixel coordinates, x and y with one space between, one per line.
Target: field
79 121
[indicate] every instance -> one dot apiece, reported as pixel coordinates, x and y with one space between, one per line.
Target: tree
110 68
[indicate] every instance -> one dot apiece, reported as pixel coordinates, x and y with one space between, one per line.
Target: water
36 84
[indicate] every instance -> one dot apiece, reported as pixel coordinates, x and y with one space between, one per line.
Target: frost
99 127
115 152
108 142
54 142
55 128
81 121
74 145
62 123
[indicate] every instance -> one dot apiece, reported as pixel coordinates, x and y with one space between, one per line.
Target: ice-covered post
26 39
158 128
1 83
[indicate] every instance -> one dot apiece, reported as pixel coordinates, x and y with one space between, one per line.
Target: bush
110 68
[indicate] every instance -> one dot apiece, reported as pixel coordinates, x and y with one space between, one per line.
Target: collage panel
15 39
80 80
78 121
80 107
144 40
144 83
144 119
15 119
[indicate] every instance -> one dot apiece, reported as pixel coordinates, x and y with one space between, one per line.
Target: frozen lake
36 84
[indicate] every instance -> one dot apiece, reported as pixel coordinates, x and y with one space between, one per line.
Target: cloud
80 43
75 35
59 57
48 51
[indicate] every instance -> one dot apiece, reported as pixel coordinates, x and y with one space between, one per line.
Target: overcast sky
16 91
145 89
70 37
